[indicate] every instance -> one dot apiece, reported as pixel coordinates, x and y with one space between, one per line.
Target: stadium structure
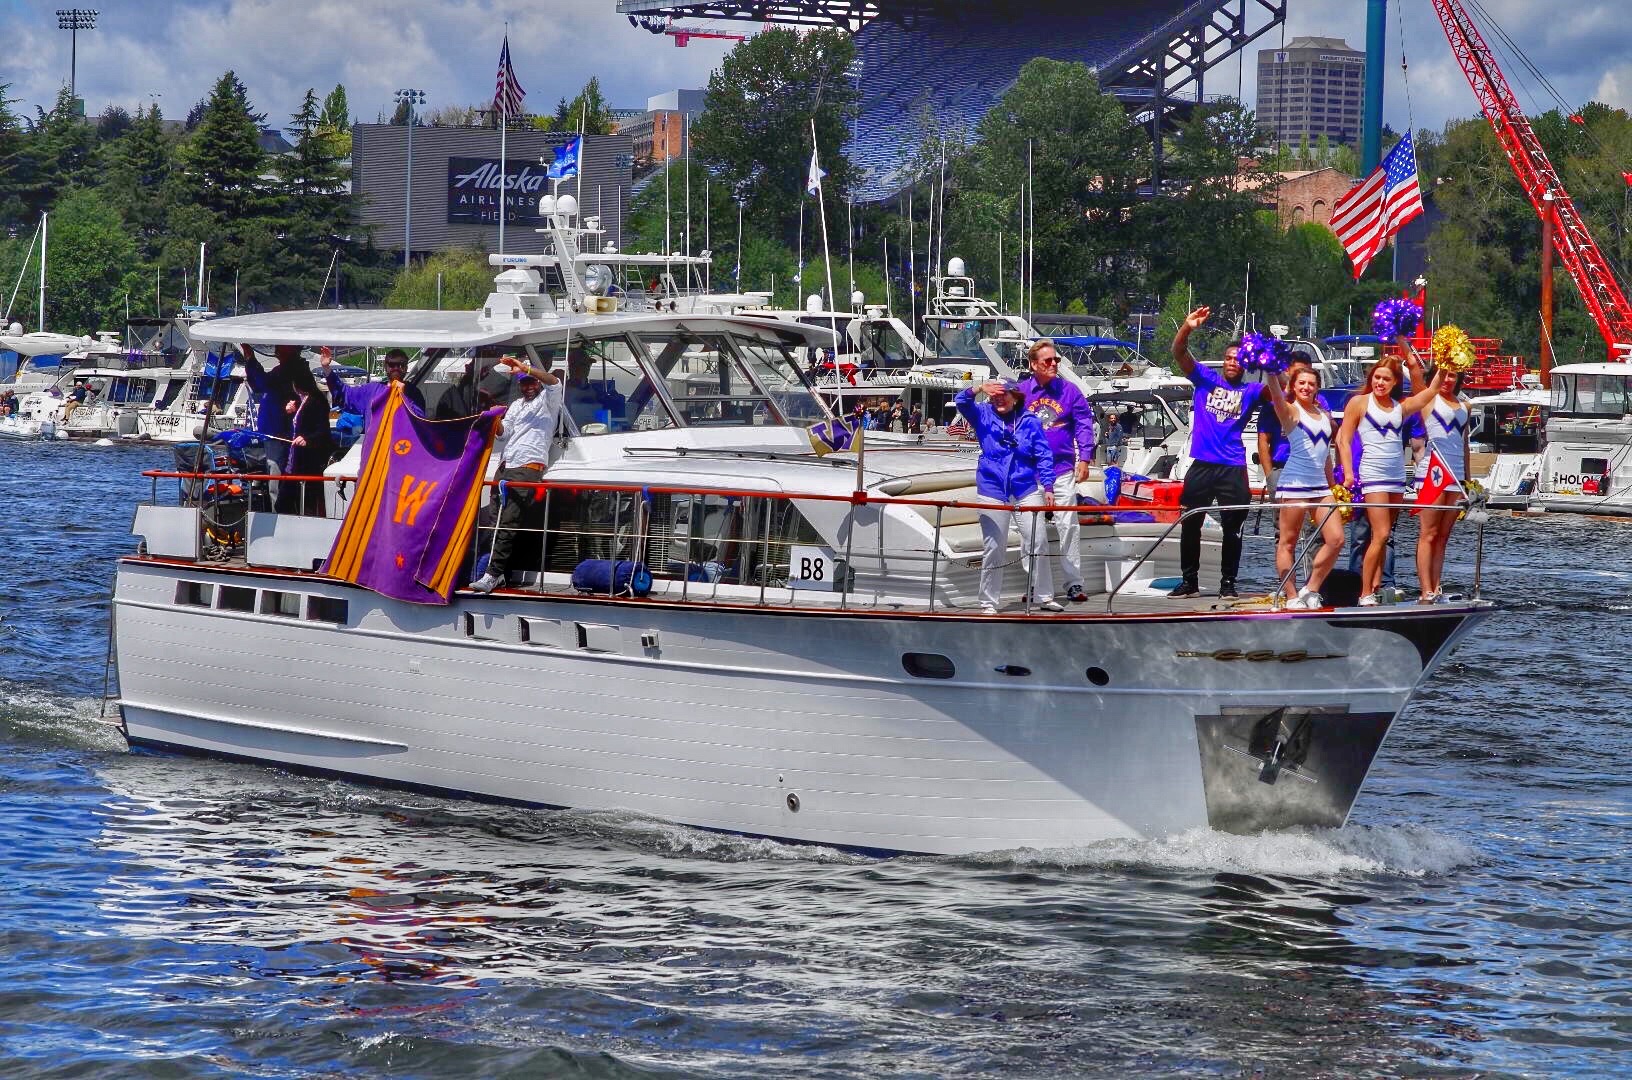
938 66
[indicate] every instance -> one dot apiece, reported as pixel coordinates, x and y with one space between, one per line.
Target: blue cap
1013 387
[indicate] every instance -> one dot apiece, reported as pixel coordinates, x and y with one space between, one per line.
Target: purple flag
415 503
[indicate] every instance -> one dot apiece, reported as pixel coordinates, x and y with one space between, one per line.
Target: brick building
660 136
1308 196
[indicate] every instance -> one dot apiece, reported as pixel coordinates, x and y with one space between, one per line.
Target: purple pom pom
1394 318
1260 352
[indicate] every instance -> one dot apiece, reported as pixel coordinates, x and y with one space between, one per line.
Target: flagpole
504 195
827 264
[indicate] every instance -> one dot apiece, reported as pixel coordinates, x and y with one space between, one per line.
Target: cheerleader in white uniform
1305 478
1380 422
1446 421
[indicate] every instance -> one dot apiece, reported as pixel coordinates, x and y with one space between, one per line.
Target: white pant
994 544
1066 524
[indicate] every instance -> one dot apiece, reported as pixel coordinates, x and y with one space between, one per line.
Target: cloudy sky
172 50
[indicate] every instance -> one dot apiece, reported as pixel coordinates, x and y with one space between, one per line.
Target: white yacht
809 661
1510 428
1586 462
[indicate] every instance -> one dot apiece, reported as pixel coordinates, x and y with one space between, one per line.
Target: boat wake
39 717
1358 850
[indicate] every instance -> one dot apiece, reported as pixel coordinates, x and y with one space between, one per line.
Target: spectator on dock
1016 468
1223 404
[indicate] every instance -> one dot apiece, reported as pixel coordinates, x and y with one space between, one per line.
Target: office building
1313 87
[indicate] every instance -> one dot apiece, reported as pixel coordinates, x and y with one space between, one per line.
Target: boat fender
623 578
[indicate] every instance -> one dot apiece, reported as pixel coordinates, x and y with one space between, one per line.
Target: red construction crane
1599 289
682 35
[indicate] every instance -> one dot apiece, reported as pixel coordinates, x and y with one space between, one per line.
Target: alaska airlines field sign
473 191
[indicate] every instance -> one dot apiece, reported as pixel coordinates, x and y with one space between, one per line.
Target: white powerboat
808 663
1586 461
1511 427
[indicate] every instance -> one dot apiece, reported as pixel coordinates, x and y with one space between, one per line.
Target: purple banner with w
411 515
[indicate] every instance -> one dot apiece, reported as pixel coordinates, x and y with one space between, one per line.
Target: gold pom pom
1452 349
1340 494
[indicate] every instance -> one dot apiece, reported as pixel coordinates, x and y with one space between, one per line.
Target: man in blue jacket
1068 424
1016 468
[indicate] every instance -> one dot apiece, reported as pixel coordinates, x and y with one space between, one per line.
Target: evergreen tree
223 162
60 152
91 255
14 165
136 177
316 214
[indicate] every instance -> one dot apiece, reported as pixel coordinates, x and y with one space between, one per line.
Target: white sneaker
1369 600
988 609
1051 605
486 583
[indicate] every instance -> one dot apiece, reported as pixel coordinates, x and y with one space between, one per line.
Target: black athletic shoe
1185 588
1226 590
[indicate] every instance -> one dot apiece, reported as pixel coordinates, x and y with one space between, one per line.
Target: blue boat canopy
1354 339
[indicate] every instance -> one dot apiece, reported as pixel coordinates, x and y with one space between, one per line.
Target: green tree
91 255
466 281
316 212
755 132
60 152
14 165
136 178
336 113
588 110
222 163
1087 161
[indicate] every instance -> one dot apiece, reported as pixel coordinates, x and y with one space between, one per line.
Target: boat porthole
927 665
793 802
1098 676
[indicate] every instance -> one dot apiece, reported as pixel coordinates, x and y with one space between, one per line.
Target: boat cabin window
275 602
1514 429
1590 395
883 346
195 593
131 391
959 337
237 598
606 388
327 609
770 361
706 381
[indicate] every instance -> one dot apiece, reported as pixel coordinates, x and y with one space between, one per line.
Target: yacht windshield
960 337
1590 395
772 364
707 382
882 345
606 388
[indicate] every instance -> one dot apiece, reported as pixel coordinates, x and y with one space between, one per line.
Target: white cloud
279 48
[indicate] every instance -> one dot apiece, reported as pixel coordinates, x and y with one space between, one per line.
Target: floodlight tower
410 98
74 20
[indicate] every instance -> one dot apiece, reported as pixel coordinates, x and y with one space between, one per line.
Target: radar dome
546 205
813 302
567 205
955 267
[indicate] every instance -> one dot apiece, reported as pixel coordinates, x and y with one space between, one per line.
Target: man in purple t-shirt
1068 424
1218 467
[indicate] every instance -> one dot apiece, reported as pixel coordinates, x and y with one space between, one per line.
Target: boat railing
623 527
1306 546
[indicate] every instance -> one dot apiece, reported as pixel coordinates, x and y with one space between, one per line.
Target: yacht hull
808 726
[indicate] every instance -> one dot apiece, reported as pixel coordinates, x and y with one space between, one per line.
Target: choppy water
170 917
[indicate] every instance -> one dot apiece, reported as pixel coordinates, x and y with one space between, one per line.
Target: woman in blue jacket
1016 468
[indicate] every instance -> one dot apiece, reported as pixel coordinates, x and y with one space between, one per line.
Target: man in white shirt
530 422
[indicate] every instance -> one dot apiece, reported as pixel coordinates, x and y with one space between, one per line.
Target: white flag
813 181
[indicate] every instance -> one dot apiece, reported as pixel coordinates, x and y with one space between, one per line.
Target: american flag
1379 207
508 94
